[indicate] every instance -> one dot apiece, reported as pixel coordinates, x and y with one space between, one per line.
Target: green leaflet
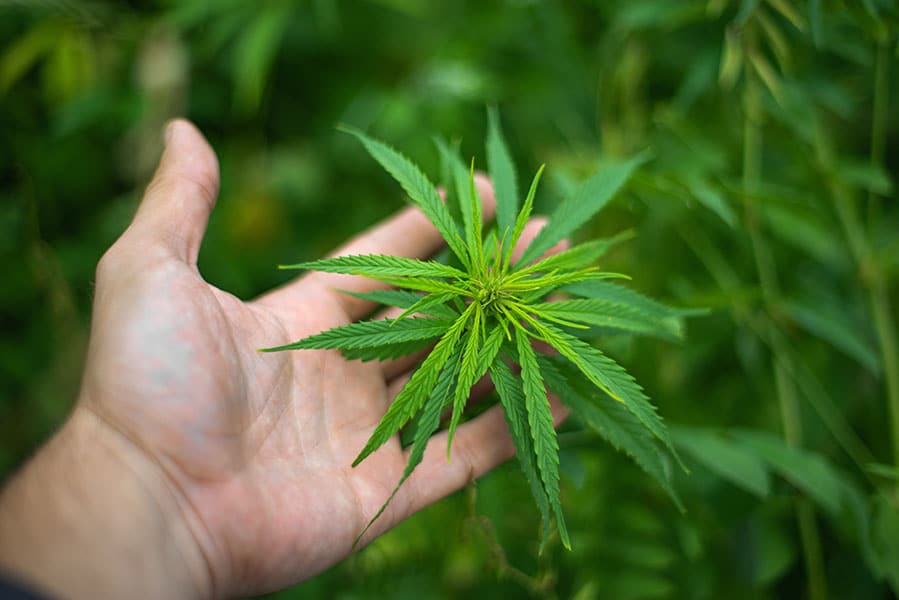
608 418
581 256
608 375
371 334
577 209
386 351
422 285
403 299
474 365
502 174
468 374
522 218
459 175
725 457
420 189
807 470
621 296
374 265
428 423
411 397
540 420
603 313
511 396
424 304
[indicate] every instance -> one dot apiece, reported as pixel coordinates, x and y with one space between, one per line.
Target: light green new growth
482 312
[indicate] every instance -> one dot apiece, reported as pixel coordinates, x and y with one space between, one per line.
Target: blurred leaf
255 54
768 75
775 552
885 471
865 176
785 8
831 323
776 39
815 21
808 471
712 199
746 10
731 59
724 457
22 54
805 230
885 528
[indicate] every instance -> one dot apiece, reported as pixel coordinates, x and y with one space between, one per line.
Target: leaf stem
879 119
871 273
767 274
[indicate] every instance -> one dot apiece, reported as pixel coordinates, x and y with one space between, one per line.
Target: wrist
91 516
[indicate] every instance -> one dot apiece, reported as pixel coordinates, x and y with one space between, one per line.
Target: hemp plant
482 312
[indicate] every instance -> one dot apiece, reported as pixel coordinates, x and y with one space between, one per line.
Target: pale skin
194 466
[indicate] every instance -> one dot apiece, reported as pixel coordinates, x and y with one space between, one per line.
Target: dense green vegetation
769 198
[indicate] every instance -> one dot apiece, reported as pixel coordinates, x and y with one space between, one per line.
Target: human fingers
408 233
175 209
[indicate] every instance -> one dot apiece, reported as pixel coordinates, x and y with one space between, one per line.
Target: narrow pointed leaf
611 378
474 366
370 334
502 174
580 207
424 304
416 390
602 313
523 216
462 192
373 265
428 423
807 470
477 226
386 351
468 374
422 284
419 188
511 396
582 255
617 295
726 458
540 420
610 419
403 299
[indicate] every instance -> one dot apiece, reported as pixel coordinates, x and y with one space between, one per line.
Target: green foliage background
770 199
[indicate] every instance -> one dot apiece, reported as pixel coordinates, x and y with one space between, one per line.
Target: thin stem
767 274
874 280
879 118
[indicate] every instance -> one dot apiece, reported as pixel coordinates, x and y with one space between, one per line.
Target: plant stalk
879 119
770 288
871 273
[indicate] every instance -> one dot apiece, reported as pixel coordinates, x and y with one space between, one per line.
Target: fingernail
169 132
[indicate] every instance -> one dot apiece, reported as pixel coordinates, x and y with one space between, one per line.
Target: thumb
177 204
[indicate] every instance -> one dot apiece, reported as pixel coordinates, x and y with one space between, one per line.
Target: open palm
255 447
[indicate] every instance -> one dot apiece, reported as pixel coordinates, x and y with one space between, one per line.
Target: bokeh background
770 199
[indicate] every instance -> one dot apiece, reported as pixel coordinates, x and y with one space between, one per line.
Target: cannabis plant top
482 312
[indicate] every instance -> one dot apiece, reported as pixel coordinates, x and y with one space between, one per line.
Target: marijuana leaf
489 311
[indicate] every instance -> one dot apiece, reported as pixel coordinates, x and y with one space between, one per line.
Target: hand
241 458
